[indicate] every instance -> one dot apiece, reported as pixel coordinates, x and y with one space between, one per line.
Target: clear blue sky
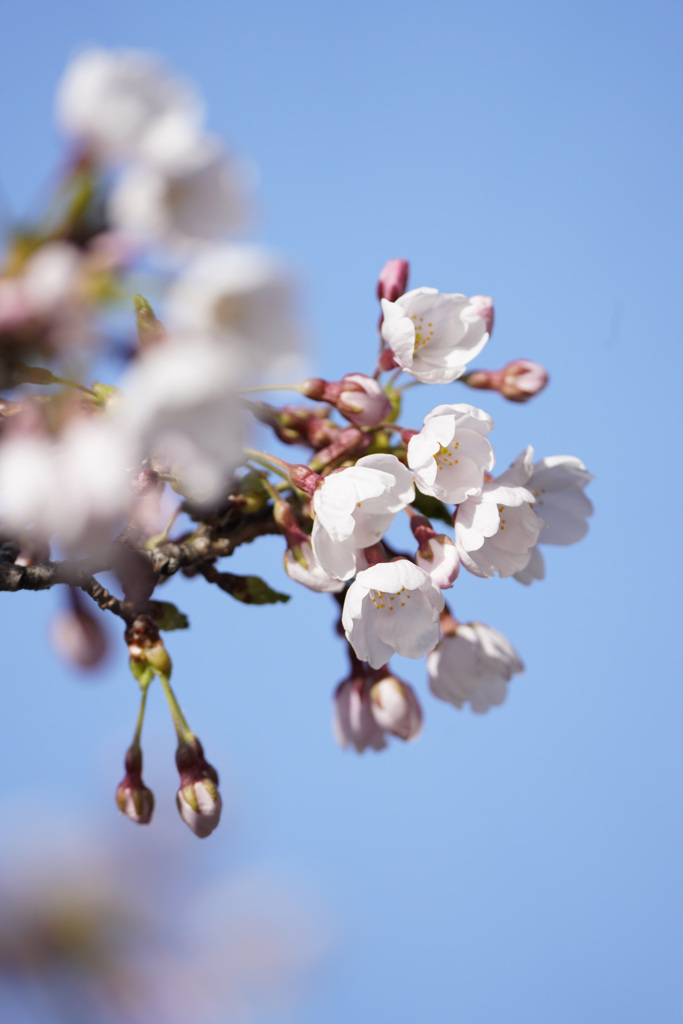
524 865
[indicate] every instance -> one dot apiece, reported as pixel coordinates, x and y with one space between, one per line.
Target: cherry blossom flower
302 566
434 335
475 666
71 487
395 707
181 405
354 724
365 712
392 608
496 530
124 104
557 483
451 453
197 197
353 509
231 292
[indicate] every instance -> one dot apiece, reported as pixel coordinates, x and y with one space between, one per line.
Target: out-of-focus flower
557 483
240 296
302 566
395 707
72 486
354 724
434 335
354 507
392 608
124 104
181 405
495 531
78 636
451 453
197 197
474 665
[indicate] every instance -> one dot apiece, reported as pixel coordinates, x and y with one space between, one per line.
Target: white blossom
181 405
440 560
475 665
303 567
557 483
495 531
451 453
238 291
392 608
434 335
124 104
395 707
353 723
197 197
354 507
71 487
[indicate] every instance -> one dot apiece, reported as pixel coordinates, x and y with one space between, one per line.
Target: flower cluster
152 472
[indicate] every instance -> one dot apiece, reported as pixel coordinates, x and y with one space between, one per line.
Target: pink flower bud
483 305
522 379
393 280
395 708
363 401
440 559
79 637
354 724
304 478
387 360
132 796
199 802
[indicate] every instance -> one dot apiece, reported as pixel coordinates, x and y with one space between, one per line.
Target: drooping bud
199 802
78 636
362 400
133 798
396 708
354 724
393 280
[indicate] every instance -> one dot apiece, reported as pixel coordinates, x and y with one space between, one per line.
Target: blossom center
384 602
422 334
446 455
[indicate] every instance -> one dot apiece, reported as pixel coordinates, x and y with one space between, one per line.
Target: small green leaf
248 589
168 617
432 508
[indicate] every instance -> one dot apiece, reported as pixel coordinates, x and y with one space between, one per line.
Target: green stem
269 461
141 716
179 721
270 387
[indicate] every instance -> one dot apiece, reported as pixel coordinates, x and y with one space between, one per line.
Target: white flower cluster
85 463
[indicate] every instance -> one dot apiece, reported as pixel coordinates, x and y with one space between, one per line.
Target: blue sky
523 865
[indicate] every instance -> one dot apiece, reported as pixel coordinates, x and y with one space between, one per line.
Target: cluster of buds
106 471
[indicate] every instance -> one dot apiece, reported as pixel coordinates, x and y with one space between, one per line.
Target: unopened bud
199 802
393 280
79 637
362 400
395 708
133 798
304 478
354 724
522 379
